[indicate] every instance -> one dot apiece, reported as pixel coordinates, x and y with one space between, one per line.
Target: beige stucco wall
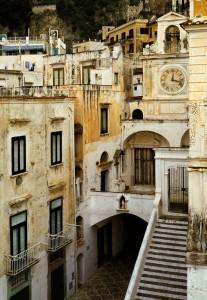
36 118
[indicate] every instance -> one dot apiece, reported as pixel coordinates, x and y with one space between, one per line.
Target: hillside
75 20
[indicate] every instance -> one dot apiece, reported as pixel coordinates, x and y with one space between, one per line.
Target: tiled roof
196 21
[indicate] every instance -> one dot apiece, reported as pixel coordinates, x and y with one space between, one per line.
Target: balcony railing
35 91
61 239
22 261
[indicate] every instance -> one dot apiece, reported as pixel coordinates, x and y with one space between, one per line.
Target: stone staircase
165 274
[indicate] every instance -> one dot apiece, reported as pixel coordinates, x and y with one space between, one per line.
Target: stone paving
110 281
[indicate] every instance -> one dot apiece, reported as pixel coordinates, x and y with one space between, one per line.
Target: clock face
172 80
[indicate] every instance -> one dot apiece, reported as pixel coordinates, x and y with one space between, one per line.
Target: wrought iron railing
15 264
61 239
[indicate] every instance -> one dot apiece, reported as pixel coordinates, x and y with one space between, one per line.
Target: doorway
178 189
104 239
104 181
57 283
22 295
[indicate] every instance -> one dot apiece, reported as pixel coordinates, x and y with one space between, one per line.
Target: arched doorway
80 270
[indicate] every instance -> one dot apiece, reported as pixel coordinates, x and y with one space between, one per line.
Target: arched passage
122 233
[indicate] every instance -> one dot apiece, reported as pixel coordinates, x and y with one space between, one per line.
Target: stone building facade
37 198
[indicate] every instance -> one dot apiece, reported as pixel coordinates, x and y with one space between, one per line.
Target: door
104 239
57 283
22 295
104 181
178 189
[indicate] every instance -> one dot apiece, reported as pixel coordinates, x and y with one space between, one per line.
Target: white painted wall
196 283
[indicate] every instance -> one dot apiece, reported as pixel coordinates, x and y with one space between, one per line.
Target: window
151 32
87 74
144 166
137 114
144 30
18 155
56 216
131 48
58 76
116 78
131 33
18 227
112 40
56 147
104 120
123 35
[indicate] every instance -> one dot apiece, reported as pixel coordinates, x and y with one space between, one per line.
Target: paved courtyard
110 281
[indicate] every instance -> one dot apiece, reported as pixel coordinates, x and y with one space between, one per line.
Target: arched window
104 171
172 39
79 223
137 114
122 202
78 184
104 157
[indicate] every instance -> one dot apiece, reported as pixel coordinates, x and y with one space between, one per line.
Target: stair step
165 271
163 258
166 252
173 221
183 226
164 247
169 237
156 295
174 232
165 264
165 282
164 276
163 289
169 242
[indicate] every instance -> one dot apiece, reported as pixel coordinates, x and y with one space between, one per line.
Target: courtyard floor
110 281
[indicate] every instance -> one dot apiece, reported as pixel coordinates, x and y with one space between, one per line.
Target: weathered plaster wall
197 283
36 118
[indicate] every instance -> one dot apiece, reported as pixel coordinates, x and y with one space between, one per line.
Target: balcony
61 239
130 37
22 261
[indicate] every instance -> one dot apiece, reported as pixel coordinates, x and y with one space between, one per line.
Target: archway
172 39
185 140
139 160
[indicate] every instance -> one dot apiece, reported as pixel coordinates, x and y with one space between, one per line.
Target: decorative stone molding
56 186
57 119
19 120
19 200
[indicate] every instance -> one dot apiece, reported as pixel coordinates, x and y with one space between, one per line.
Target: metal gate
178 189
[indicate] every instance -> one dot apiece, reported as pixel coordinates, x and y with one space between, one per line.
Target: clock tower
165 101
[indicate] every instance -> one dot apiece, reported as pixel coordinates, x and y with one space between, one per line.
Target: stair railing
139 265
